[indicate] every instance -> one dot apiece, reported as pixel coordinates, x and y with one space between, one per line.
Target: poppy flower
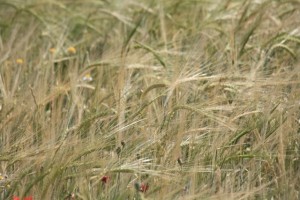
25 198
104 179
144 187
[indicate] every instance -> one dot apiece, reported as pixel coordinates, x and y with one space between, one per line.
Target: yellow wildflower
52 50
71 50
20 61
87 77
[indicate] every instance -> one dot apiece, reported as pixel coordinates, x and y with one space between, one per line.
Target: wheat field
149 99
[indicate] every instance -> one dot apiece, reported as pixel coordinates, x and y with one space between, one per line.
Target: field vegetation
149 99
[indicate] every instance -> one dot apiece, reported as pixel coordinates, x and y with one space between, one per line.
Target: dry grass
197 99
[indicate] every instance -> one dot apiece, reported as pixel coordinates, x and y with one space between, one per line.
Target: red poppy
144 187
25 198
104 179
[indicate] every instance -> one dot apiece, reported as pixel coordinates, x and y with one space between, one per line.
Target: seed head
179 161
123 144
118 150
